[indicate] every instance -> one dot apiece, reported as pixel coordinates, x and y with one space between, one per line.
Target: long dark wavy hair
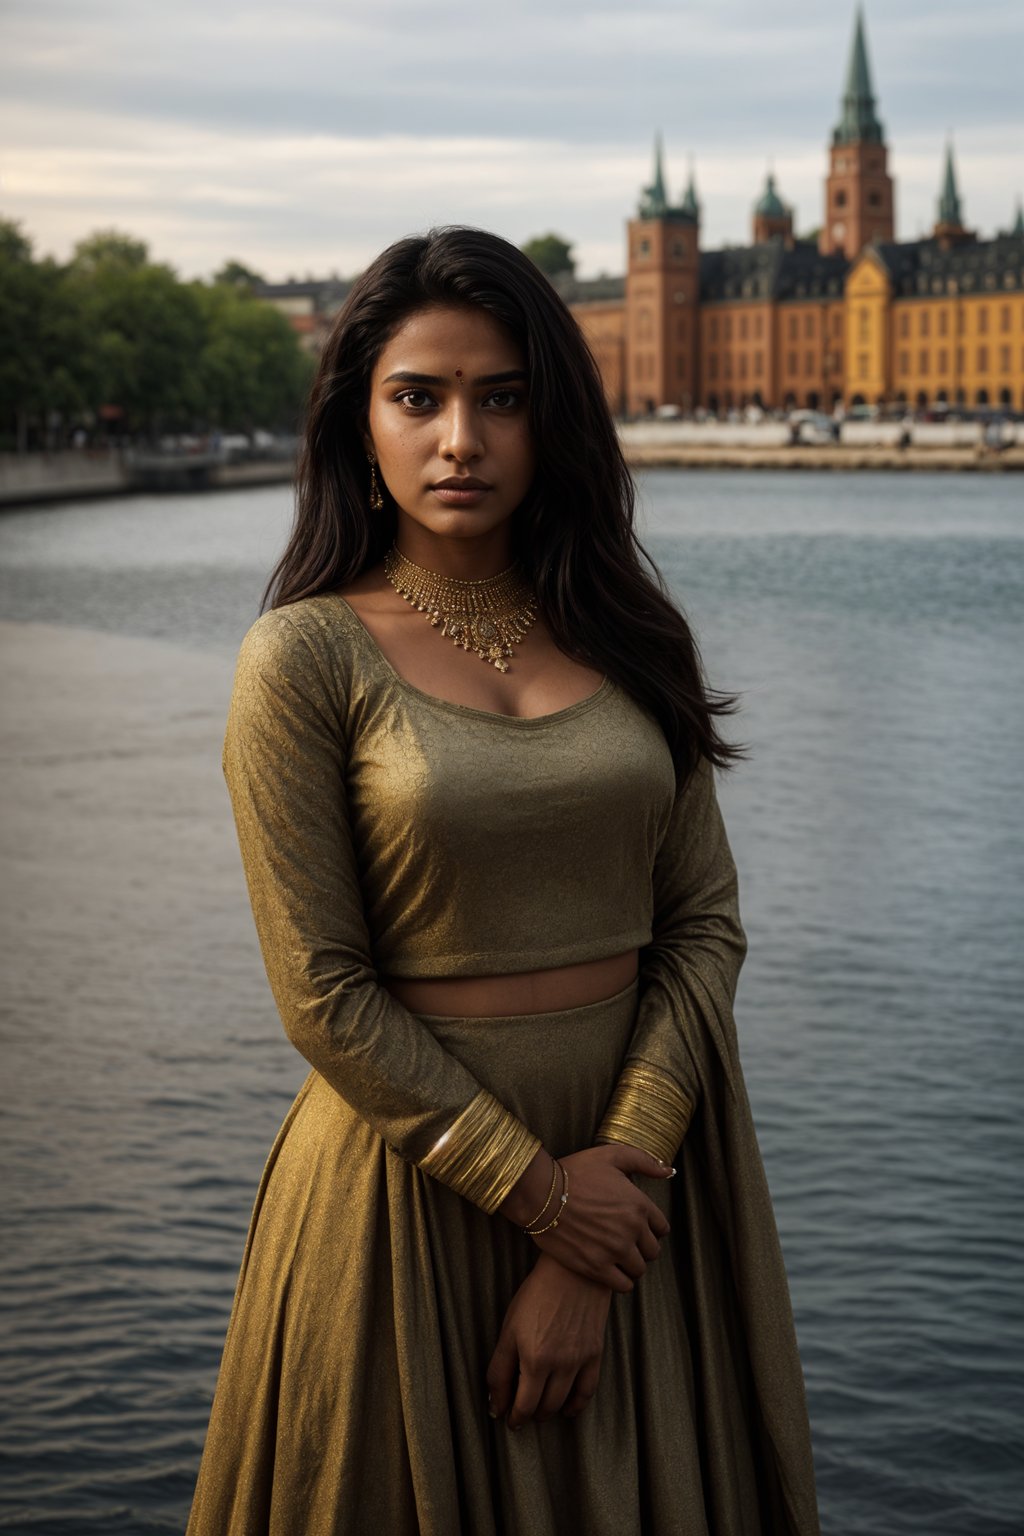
601 595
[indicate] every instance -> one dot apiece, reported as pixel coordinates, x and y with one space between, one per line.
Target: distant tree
811 235
41 343
109 248
551 253
145 330
113 328
251 371
235 274
14 246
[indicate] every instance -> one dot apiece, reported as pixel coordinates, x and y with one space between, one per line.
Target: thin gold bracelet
547 1202
563 1197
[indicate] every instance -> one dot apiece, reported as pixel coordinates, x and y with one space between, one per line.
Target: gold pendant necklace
488 616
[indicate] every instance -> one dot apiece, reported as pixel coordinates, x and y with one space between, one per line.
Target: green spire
1017 228
949 198
770 204
653 201
690 204
858 123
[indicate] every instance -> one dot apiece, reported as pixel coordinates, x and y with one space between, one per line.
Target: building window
728 365
644 248
809 324
862 365
714 327
758 327
728 328
713 366
874 200
943 322
943 363
743 327
982 319
1004 359
643 325
1004 318
983 359
961 322
743 365
809 363
922 323
837 324
960 360
758 364
840 198
791 363
922 360
904 362
904 326
793 331
677 248
863 322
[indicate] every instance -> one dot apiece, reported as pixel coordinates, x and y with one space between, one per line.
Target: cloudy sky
302 136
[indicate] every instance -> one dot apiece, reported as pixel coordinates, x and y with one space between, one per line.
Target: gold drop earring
376 499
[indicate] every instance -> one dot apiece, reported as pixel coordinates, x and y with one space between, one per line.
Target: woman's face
448 424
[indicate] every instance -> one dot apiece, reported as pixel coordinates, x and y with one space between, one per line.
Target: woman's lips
460 496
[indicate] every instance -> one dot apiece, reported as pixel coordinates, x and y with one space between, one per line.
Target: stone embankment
968 445
82 475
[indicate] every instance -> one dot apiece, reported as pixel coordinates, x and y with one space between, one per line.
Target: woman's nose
460 432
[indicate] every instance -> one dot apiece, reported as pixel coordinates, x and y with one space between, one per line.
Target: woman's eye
415 399
505 399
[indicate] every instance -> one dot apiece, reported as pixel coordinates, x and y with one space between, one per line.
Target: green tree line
116 343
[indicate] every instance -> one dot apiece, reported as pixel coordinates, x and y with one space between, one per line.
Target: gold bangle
483 1154
547 1202
648 1109
563 1197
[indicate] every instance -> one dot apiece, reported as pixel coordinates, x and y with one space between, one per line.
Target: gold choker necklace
488 616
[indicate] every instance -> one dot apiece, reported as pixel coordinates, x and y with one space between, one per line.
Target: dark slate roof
327 293
589 290
919 268
771 271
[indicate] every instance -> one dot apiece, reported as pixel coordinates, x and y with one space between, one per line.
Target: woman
498 913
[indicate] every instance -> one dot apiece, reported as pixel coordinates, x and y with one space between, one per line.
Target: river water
874 626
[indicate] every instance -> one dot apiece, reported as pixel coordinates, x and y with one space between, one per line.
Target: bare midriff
563 986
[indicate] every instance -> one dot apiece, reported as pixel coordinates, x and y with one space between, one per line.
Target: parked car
812 427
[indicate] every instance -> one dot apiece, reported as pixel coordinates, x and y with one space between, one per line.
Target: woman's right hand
608 1230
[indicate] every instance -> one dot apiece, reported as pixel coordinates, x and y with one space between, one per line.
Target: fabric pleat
352 1394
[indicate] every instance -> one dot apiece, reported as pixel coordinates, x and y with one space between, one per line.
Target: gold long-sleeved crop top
388 833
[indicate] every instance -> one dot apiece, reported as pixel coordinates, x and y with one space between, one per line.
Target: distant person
499 916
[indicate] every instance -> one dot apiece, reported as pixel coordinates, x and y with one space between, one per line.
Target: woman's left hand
553 1338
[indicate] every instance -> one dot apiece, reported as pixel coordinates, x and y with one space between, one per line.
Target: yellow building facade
950 345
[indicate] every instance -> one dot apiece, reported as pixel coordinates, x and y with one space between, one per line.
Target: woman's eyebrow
509 376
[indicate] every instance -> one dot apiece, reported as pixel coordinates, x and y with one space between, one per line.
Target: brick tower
858 190
662 295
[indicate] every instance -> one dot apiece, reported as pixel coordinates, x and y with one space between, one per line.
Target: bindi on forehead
458 374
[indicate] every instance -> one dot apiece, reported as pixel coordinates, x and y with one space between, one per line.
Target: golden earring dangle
376 499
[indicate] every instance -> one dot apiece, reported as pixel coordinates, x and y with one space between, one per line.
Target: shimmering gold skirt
352 1395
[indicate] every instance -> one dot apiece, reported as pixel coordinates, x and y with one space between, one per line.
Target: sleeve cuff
648 1110
483 1154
